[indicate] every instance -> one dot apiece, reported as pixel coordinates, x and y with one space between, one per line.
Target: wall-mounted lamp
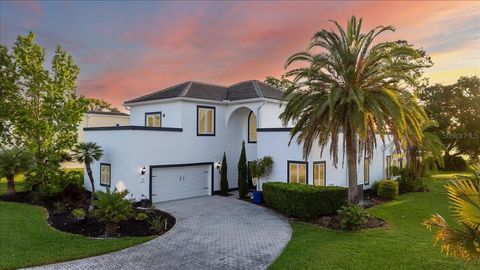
218 165
144 170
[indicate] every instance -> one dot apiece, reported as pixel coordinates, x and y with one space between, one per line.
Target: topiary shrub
224 176
304 201
242 173
354 217
111 208
388 189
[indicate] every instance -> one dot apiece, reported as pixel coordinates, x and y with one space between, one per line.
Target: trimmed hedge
388 189
304 201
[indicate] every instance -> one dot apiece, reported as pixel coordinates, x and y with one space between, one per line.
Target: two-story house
177 136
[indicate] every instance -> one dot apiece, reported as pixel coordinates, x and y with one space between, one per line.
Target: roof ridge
246 81
259 92
185 91
210 84
153 93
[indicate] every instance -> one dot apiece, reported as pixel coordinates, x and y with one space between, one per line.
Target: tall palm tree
87 153
350 90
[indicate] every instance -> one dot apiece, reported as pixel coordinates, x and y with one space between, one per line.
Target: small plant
158 224
354 217
262 167
141 216
78 213
111 208
58 208
388 189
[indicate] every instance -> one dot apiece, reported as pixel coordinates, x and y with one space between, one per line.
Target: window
252 128
319 173
205 121
366 171
105 174
389 161
297 172
153 119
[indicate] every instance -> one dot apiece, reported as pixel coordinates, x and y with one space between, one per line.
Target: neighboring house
97 119
177 136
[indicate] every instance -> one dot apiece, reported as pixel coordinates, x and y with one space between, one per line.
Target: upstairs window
297 172
205 121
153 119
252 128
319 173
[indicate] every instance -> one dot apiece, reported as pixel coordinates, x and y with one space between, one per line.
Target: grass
405 244
27 240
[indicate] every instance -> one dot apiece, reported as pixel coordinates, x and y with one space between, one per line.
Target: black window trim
150 113
110 174
368 174
297 162
214 119
248 127
324 171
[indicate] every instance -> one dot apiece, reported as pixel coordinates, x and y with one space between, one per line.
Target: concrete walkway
211 233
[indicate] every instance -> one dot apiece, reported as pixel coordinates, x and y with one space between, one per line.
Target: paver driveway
211 233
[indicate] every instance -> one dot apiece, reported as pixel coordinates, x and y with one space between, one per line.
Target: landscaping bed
89 225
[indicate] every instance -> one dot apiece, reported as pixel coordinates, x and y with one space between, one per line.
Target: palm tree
350 90
87 153
464 241
13 162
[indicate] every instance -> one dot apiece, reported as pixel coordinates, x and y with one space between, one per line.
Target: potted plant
261 168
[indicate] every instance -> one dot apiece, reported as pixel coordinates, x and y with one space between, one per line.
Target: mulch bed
334 222
90 226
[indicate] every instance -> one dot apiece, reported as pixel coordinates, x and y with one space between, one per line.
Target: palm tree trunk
351 149
90 176
10 184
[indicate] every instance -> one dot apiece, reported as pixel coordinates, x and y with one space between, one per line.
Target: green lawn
405 244
27 240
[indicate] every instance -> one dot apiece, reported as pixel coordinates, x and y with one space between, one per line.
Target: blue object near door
257 197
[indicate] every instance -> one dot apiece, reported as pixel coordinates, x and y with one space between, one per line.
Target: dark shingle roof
238 91
107 113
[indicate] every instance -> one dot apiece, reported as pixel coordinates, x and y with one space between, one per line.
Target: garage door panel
172 183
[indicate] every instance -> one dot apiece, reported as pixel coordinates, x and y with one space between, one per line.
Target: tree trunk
10 184
351 149
90 176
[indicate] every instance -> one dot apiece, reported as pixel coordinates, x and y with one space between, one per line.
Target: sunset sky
127 49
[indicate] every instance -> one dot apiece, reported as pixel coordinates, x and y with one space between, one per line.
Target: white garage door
173 183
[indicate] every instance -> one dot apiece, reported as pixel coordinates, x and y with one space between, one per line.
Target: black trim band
133 128
282 129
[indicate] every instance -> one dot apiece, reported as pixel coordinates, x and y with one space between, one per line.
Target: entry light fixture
144 170
218 165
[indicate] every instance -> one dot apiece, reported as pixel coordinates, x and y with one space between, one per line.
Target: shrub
354 217
158 224
61 180
304 201
455 163
388 189
141 216
74 194
78 213
224 176
58 208
111 208
242 173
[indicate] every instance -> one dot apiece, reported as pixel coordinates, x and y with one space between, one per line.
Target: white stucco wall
275 144
171 113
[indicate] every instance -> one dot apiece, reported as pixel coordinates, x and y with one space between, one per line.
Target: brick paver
211 233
